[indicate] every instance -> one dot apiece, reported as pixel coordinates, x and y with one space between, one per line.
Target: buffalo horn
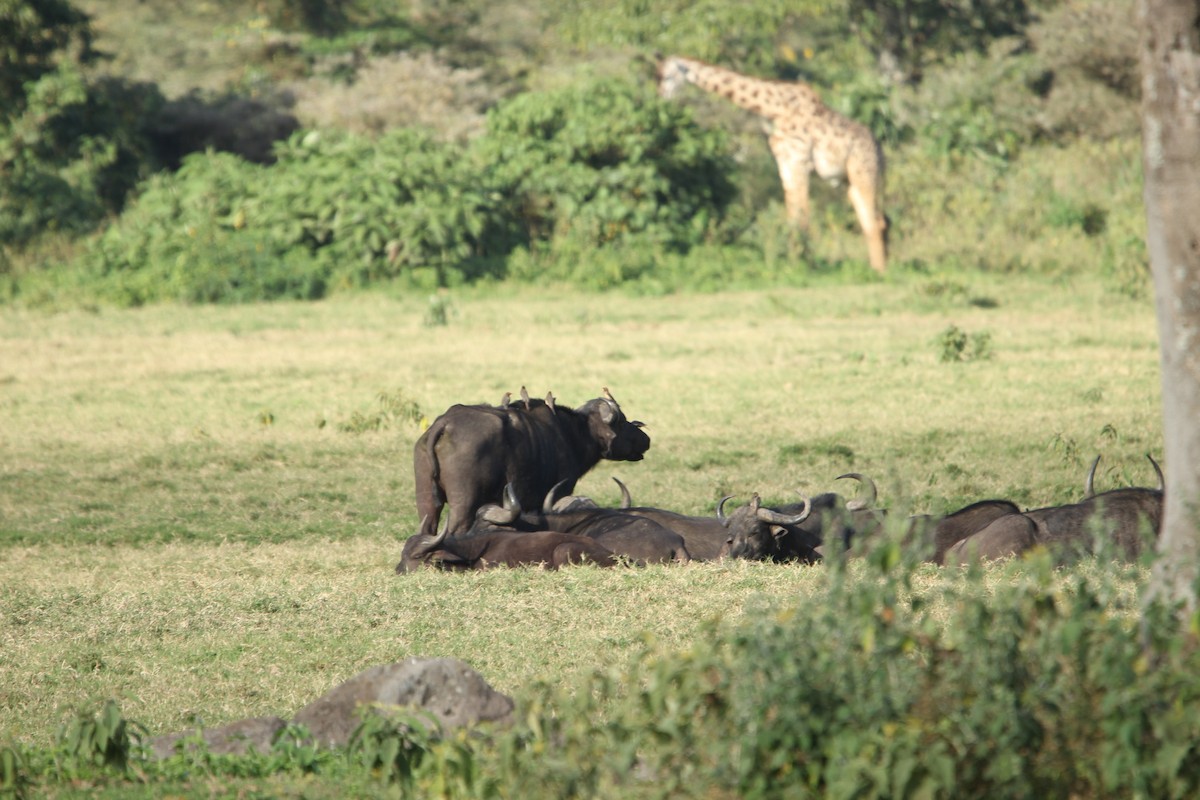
775 518
724 520
872 493
423 550
1089 485
497 515
552 496
1162 484
511 503
626 498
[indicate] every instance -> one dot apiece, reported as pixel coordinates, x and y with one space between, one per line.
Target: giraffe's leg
794 168
874 224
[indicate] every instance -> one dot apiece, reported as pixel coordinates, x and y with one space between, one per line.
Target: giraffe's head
672 75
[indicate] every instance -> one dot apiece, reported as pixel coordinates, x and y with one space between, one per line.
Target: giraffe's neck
772 99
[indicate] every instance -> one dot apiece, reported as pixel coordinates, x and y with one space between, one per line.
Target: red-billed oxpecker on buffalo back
469 453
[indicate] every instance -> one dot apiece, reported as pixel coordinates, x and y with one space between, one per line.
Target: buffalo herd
507 473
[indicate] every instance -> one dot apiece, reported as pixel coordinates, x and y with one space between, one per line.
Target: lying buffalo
833 520
1117 522
946 532
1004 537
641 540
758 533
704 537
470 453
484 549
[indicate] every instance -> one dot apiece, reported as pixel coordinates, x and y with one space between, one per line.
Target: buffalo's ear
778 531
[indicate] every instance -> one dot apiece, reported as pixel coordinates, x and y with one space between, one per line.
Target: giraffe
805 136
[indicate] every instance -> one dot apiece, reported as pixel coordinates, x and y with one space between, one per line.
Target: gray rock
236 738
456 696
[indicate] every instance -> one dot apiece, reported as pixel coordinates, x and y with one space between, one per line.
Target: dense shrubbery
1039 691
1049 686
71 147
553 172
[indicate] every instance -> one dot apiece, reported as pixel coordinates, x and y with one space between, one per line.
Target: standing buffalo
470 453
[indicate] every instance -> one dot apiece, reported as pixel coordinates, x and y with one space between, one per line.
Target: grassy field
200 508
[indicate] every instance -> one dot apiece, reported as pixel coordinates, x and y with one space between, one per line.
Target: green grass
184 525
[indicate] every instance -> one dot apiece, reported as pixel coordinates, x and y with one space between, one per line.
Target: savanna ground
201 508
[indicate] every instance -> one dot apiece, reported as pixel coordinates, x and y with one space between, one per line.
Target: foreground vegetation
201 513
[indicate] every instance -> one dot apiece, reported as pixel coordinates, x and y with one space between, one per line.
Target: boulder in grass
236 738
448 689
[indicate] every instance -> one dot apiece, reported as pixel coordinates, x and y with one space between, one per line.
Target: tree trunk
1170 58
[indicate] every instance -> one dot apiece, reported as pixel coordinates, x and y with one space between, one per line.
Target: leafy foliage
71 147
392 744
1042 688
103 739
907 35
1037 692
394 407
955 344
339 210
35 37
738 33
603 162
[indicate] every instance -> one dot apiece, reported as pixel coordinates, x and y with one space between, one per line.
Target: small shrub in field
955 344
438 313
1088 217
97 739
392 745
394 407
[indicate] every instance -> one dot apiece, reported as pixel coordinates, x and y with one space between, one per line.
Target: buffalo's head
620 439
754 531
422 549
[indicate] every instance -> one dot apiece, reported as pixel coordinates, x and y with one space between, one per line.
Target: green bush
555 173
72 154
335 210
1038 691
1041 684
72 146
605 162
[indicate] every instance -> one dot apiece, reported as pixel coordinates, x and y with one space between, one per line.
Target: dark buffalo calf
485 549
1005 537
637 538
962 524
